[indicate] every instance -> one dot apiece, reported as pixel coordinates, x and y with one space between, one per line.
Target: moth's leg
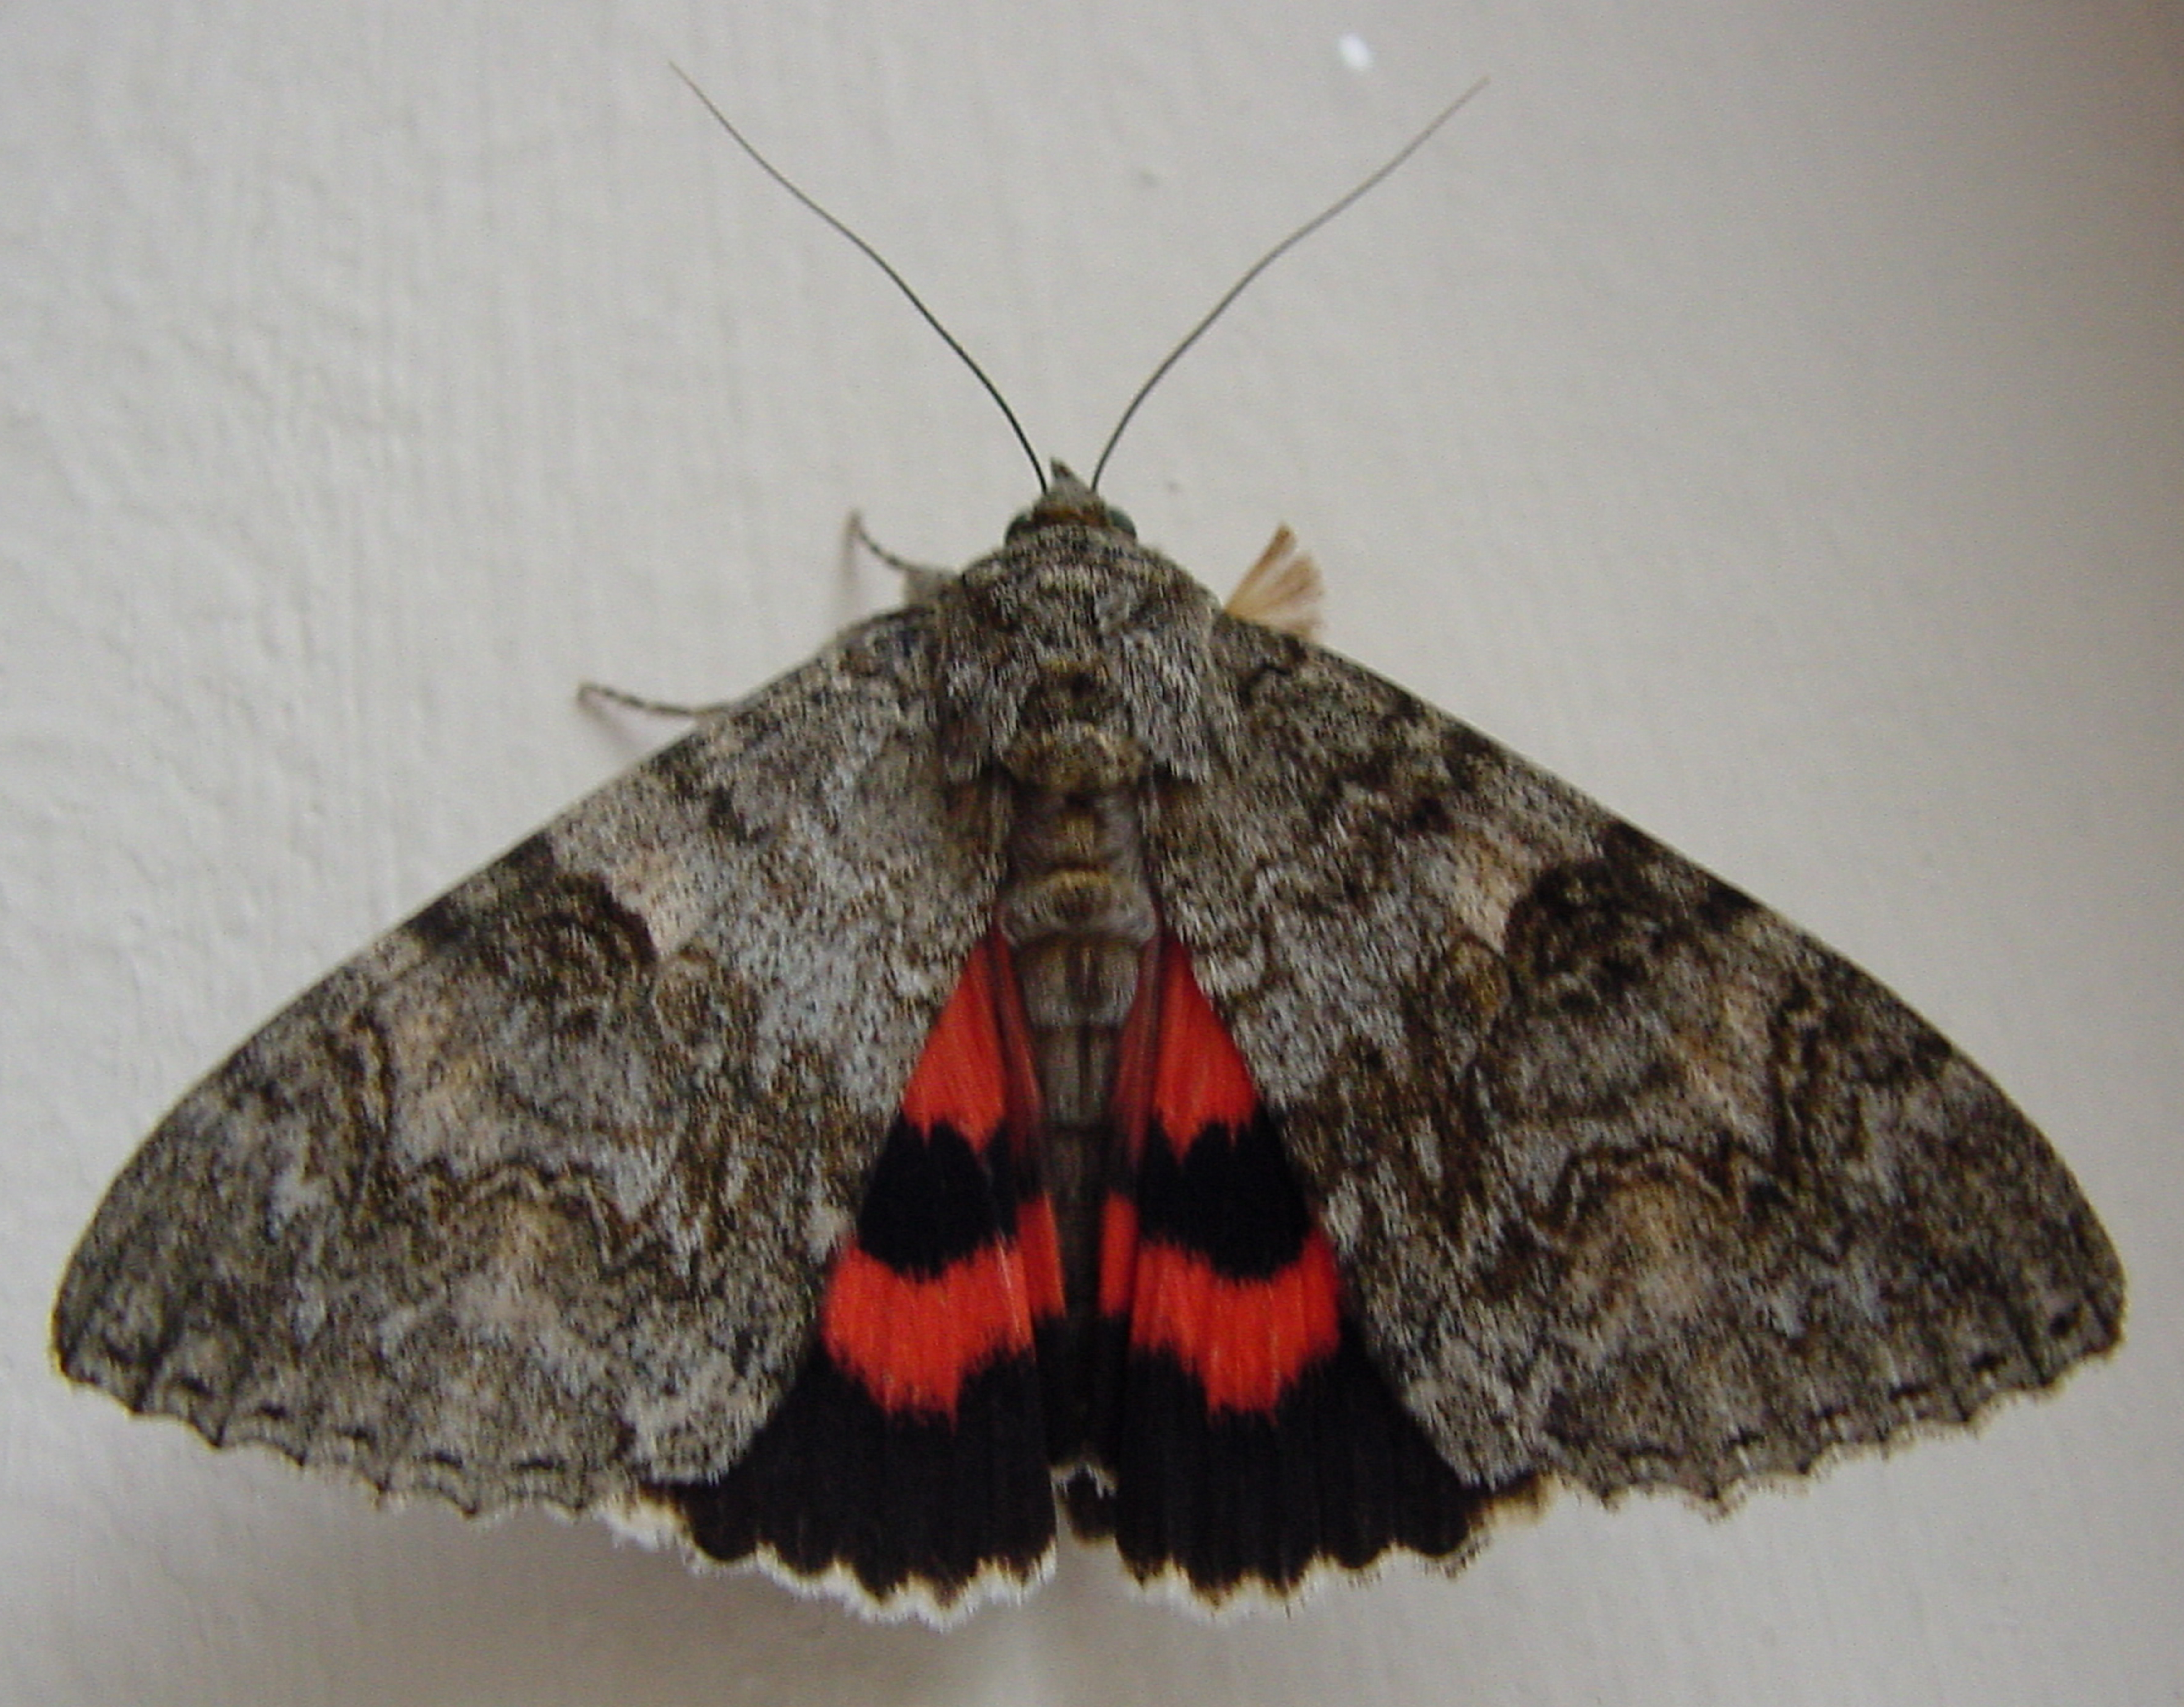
920 581
593 694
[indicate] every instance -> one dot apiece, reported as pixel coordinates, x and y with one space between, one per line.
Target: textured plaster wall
1771 417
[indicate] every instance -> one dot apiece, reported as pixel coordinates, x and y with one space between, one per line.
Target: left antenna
878 260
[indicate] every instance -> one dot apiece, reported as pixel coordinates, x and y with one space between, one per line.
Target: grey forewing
1630 1180
535 1197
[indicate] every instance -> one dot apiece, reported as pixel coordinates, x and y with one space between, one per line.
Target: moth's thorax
1074 658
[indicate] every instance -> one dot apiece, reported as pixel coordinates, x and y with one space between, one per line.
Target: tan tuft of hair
1281 591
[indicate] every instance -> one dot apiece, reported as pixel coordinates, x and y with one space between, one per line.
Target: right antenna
1267 260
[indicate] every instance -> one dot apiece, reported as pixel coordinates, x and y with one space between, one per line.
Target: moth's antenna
879 260
1267 260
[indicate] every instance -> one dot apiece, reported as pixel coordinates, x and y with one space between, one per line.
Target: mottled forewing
533 1199
1629 1179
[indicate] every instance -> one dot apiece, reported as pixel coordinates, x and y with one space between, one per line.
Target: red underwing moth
1072 1055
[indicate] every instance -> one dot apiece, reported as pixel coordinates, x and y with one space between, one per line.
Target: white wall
1769 417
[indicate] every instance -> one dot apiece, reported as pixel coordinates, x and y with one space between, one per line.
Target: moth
1075 1055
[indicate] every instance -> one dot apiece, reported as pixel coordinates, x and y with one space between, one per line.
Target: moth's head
1068 502
1073 658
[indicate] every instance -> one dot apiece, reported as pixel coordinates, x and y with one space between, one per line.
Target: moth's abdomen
1076 914
1077 911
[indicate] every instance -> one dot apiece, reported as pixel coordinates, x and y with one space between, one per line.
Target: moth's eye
1119 520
